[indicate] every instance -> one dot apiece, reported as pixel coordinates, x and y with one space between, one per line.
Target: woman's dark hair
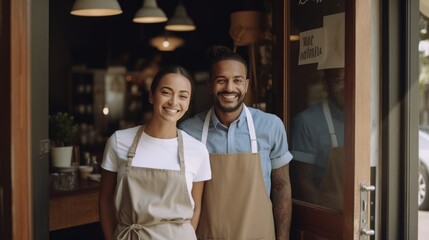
218 53
167 70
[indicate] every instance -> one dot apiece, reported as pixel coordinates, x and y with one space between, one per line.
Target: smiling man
249 157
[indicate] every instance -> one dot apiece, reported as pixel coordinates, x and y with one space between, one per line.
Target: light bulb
165 43
106 110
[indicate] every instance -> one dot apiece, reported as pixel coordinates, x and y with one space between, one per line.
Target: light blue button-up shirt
270 133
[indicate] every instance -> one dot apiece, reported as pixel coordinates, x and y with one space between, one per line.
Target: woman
153 176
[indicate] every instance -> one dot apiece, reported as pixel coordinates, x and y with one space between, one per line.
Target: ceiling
98 42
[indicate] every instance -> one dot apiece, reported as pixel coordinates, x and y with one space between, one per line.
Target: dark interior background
99 42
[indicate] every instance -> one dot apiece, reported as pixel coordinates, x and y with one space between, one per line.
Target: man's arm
281 198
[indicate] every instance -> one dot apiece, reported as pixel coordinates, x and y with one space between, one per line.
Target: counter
75 207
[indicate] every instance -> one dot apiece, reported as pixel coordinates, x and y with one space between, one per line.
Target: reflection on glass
317 145
423 182
317 102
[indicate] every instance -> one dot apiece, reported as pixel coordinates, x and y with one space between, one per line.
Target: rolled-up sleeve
280 154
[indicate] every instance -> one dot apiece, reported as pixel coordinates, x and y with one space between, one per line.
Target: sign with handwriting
324 46
311 46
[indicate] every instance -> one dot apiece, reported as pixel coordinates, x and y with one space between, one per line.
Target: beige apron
153 203
235 203
331 187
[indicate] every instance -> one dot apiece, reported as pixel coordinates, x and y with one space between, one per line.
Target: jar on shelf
65 180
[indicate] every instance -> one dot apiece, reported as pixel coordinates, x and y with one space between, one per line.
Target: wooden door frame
400 119
21 221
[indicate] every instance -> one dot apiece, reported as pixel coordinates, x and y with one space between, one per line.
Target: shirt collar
239 121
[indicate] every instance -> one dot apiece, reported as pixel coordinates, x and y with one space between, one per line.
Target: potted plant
62 133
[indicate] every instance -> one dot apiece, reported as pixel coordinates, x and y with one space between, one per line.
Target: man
249 158
317 147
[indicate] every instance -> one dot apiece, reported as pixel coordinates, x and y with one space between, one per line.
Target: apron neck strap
330 123
250 126
133 148
181 152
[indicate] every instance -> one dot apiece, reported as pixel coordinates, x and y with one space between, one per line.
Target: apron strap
250 126
132 150
181 152
330 123
133 229
126 232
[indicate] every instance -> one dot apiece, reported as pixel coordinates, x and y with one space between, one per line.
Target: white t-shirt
159 154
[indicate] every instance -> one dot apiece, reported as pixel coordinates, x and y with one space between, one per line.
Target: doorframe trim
20 121
358 69
399 119
411 110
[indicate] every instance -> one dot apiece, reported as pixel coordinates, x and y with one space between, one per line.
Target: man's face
228 85
336 88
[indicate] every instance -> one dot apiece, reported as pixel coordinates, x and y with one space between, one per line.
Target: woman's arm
107 207
197 193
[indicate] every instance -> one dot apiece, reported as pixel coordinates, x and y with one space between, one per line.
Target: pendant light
150 13
180 21
96 8
246 27
166 42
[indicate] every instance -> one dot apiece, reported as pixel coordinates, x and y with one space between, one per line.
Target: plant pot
61 156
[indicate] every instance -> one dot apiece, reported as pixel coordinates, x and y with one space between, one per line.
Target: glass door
328 115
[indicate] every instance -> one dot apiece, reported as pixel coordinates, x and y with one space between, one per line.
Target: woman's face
171 97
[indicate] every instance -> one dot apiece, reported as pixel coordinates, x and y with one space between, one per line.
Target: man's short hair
219 53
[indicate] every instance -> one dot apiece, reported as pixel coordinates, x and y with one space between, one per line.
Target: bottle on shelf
95 165
87 158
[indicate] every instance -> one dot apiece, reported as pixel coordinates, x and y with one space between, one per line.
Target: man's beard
219 106
338 101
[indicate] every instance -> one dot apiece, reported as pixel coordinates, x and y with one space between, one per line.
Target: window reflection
317 102
318 145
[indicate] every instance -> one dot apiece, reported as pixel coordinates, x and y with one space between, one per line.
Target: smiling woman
132 162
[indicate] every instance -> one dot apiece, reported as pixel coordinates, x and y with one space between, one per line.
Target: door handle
368 188
369 232
365 189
